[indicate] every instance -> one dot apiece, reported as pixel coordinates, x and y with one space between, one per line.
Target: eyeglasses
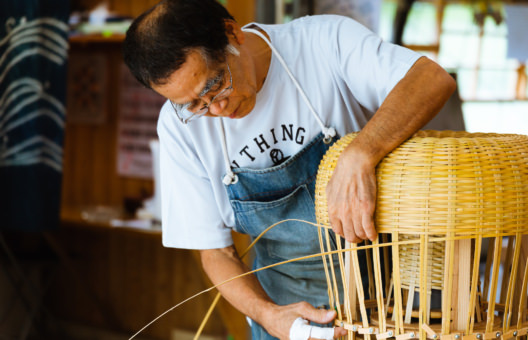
186 113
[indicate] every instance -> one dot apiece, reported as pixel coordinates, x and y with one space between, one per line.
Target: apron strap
329 132
230 177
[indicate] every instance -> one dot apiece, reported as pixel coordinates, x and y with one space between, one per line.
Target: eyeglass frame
205 108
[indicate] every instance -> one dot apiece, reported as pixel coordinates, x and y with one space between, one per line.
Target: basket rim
446 134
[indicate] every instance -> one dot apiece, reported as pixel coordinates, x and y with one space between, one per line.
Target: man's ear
234 31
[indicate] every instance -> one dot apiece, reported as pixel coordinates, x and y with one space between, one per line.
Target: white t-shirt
346 72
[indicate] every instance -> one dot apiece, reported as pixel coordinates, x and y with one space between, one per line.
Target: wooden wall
123 279
120 279
90 148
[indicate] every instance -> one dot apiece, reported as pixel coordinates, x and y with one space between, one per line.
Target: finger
370 207
357 220
350 234
358 227
300 329
337 227
339 332
369 227
348 230
326 333
343 219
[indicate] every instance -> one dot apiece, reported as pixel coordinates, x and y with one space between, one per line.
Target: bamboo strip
359 288
337 299
478 304
379 286
430 333
344 280
506 271
519 281
369 271
405 336
448 284
487 270
352 304
522 331
367 330
511 284
494 278
398 305
385 335
464 269
389 298
410 302
386 264
329 286
522 307
454 290
474 284
423 284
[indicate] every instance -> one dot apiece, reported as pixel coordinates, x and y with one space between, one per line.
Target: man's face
196 83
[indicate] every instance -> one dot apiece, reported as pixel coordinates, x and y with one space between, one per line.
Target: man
250 113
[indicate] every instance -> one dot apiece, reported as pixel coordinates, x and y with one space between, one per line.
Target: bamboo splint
452 214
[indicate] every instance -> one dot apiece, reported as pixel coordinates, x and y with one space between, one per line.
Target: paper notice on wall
138 116
517 22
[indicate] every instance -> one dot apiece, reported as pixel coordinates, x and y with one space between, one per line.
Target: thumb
321 316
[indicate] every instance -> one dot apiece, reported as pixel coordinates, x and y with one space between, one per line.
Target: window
492 86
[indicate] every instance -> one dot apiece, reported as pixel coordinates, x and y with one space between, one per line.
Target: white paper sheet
517 23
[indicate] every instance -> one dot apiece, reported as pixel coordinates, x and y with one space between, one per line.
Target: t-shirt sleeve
369 66
190 217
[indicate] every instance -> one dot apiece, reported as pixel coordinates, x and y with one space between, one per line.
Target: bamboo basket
450 259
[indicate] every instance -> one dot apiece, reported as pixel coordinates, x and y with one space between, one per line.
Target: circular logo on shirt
277 157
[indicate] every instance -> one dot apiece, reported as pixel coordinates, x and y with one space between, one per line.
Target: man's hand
281 319
249 297
351 192
351 196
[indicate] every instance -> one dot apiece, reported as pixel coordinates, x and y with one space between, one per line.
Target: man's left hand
351 196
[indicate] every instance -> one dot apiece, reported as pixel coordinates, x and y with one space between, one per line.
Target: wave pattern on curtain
33 56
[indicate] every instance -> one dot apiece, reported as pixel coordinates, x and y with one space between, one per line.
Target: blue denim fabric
263 197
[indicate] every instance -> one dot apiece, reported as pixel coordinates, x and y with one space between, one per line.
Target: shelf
96 38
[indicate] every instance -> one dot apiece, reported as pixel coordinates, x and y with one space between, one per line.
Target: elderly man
250 113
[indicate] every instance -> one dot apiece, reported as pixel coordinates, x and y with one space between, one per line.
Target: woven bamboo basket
450 261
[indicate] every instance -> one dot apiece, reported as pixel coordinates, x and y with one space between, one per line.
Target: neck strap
329 132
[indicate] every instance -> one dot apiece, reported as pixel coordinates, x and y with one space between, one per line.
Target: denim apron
262 197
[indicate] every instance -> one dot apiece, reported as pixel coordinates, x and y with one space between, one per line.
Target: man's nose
218 106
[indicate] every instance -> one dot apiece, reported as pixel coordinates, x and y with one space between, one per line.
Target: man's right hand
247 295
280 319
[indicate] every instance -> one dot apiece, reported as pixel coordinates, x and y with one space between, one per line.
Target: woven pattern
410 259
440 194
441 182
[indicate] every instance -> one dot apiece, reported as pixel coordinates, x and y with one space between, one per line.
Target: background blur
80 240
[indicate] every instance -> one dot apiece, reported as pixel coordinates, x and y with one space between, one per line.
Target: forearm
245 293
415 100
351 191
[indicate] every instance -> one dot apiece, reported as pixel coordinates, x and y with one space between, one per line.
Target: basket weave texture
445 182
